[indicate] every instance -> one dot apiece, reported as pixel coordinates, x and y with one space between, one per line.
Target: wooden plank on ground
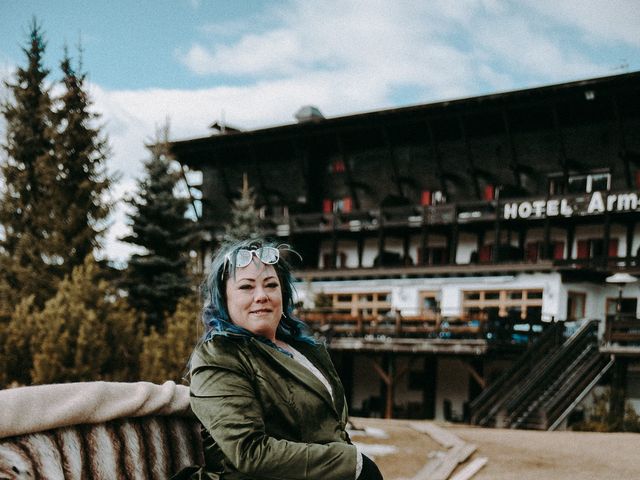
471 469
440 435
442 468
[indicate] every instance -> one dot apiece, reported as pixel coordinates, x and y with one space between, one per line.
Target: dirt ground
512 454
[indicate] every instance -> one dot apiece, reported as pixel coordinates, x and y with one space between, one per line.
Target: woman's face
254 299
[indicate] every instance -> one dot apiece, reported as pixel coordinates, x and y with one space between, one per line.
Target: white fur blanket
38 408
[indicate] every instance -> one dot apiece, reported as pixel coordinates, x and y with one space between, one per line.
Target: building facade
440 240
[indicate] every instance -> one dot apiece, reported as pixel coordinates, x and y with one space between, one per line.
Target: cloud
297 52
599 20
441 47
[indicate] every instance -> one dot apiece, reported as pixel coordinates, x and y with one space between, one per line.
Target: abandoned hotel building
471 259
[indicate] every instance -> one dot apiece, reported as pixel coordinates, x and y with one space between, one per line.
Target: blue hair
215 315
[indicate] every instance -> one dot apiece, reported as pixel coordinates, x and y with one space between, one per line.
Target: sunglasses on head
267 255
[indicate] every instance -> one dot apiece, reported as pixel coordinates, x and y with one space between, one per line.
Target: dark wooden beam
424 237
392 158
436 157
622 144
562 151
629 250
606 238
262 188
495 258
347 173
515 166
470 162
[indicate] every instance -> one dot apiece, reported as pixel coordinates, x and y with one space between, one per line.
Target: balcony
622 335
624 203
429 332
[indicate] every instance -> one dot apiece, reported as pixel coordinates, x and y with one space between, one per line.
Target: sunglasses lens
268 255
243 258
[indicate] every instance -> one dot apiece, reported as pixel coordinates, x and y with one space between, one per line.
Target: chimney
309 113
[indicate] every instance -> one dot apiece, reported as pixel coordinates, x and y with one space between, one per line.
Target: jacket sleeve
223 398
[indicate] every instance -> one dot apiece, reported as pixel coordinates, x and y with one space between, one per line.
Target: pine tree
244 217
16 359
86 332
158 278
26 260
165 355
81 181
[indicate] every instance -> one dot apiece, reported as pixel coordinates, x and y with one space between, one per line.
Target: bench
97 430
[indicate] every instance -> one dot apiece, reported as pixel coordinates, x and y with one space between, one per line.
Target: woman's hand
370 470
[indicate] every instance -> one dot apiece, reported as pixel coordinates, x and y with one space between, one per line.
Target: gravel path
512 454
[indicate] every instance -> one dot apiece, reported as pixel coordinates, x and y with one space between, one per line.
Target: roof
460 105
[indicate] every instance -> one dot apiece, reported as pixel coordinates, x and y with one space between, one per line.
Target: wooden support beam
380 371
629 251
495 258
562 152
453 238
622 144
546 246
392 158
390 377
571 234
436 158
424 238
470 162
347 172
474 374
515 167
262 186
381 238
606 238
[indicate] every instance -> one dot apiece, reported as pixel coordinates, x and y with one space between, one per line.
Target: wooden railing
333 323
623 330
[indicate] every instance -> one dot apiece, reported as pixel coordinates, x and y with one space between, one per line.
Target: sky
254 63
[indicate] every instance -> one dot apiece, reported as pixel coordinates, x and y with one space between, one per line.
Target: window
432 256
594 248
576 305
534 250
628 306
344 205
583 183
337 166
523 304
366 304
429 304
429 197
589 183
489 192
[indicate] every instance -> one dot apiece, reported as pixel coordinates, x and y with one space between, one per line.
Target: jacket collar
288 366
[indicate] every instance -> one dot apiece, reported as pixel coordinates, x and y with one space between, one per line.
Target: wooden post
629 252
389 376
618 393
606 239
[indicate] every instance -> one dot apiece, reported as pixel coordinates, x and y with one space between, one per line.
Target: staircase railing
566 377
556 414
545 373
483 408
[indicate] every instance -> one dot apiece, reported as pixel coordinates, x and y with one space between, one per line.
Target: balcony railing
333 323
622 330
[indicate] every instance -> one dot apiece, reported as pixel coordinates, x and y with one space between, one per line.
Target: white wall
405 292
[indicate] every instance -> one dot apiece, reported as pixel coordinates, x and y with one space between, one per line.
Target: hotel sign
596 203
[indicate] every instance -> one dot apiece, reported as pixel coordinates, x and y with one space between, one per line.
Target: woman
268 396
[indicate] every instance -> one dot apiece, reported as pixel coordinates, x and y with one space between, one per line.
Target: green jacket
266 416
